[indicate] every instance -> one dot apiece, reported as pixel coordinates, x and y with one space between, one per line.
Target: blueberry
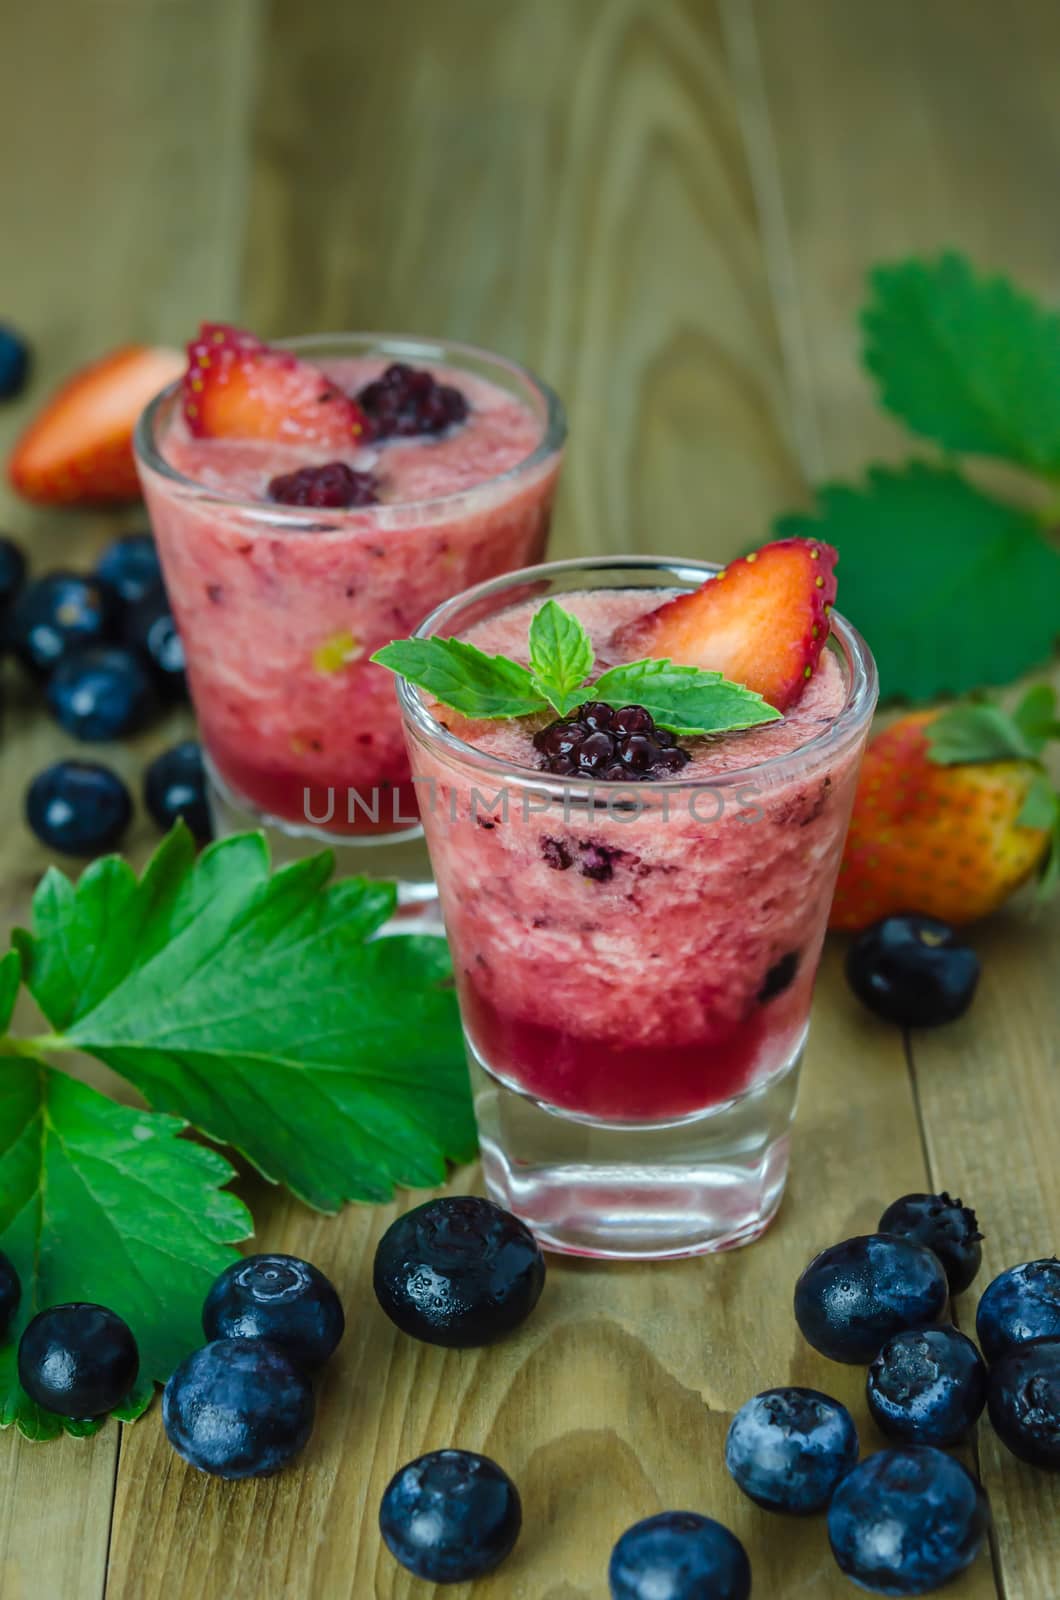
238 1408
856 1295
12 572
149 628
906 1521
175 786
679 1555
131 566
913 970
79 1359
57 613
458 1271
946 1226
10 1294
788 1448
279 1298
1024 1401
927 1386
14 362
450 1516
78 807
1022 1303
100 692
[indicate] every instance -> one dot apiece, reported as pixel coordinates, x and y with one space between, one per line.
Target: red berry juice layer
279 621
639 968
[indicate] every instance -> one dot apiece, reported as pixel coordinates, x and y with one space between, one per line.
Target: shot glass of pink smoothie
281 606
635 964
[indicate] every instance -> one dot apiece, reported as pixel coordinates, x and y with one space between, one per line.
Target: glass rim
857 708
411 347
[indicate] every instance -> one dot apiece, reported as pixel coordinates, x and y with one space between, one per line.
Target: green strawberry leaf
1041 804
1036 717
257 1006
686 700
461 676
952 588
970 361
102 1203
10 983
977 733
561 656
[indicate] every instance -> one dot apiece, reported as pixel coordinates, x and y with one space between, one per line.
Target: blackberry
621 746
333 487
407 401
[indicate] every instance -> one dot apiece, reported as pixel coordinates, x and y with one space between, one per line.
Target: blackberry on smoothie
635 863
311 501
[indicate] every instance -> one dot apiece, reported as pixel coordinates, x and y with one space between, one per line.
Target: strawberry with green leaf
954 811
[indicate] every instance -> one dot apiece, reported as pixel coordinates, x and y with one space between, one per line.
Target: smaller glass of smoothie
636 915
311 500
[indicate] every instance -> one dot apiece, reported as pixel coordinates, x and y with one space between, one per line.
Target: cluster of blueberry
106 651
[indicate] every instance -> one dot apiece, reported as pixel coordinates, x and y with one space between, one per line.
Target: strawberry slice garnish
762 621
237 387
78 449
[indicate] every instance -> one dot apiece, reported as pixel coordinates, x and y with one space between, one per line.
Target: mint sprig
686 700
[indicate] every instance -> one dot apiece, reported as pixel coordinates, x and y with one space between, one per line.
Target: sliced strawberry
762 621
78 449
237 387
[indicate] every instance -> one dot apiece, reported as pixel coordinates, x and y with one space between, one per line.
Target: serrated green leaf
686 700
976 733
99 1202
10 983
561 656
952 588
258 1006
968 360
464 677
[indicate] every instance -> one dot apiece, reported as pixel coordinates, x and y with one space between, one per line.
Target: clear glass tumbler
281 607
635 964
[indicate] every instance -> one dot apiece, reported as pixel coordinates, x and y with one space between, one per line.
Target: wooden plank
875 116
122 220
565 183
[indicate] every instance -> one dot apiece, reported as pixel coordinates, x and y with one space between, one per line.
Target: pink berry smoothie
281 607
637 964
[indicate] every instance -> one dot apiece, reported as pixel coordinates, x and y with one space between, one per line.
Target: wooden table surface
667 206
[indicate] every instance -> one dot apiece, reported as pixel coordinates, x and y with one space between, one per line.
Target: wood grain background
667 206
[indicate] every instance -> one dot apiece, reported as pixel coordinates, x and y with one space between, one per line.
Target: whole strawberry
953 812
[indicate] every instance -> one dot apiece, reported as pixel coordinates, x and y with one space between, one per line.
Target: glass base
706 1183
400 858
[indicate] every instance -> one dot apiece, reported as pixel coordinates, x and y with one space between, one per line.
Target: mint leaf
952 588
10 982
967 360
684 699
99 1202
561 656
1036 717
256 1005
461 676
976 733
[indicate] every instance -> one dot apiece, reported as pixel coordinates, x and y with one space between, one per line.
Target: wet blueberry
1022 1303
927 1386
100 692
679 1555
1023 1398
450 1516
238 1408
913 970
788 1448
12 572
946 1226
131 567
905 1522
14 362
175 786
148 627
458 1271
858 1294
10 1293
79 1360
279 1298
78 807
59 613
